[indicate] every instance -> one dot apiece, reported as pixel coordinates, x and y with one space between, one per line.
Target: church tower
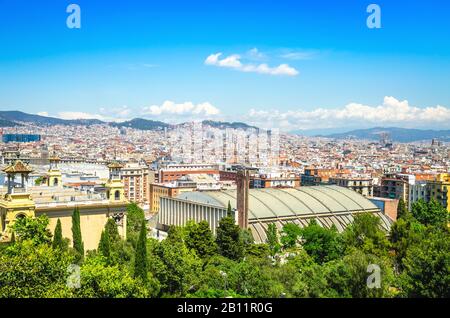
115 191
16 202
54 176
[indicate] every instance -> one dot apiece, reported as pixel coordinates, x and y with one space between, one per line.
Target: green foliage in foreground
78 244
413 261
34 230
140 260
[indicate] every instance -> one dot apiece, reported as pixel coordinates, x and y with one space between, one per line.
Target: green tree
427 266
272 239
99 279
290 235
404 232
34 229
254 280
135 216
260 251
176 234
301 276
39 181
104 246
321 244
28 270
365 233
349 276
228 239
175 266
402 209
200 238
247 240
113 231
78 244
229 210
431 213
140 260
58 240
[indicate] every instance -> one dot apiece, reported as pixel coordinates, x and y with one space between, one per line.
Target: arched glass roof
328 205
288 202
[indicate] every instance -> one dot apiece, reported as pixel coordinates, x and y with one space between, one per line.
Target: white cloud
183 109
234 62
116 112
282 69
45 114
79 115
256 54
299 55
390 112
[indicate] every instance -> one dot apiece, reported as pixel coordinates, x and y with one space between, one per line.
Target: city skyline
295 66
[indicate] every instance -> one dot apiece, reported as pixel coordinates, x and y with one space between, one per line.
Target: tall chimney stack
243 185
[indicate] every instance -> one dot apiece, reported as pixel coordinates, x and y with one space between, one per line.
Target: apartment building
170 190
316 176
136 179
173 172
438 189
363 186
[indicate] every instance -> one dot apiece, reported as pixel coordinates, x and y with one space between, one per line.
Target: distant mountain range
142 124
224 125
15 118
395 134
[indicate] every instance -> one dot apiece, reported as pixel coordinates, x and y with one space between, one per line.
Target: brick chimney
243 185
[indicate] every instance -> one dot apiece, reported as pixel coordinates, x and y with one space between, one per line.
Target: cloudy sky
292 65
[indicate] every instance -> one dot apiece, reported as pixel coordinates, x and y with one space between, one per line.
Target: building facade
136 181
8 138
396 187
439 189
159 190
18 201
363 186
328 205
173 172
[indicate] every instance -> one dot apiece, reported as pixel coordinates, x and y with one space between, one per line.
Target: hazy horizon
287 65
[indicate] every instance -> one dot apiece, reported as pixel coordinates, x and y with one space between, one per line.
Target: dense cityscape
213 157
289 198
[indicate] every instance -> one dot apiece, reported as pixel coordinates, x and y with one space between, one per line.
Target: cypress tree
78 244
272 239
113 232
402 210
104 247
140 259
229 239
229 211
57 237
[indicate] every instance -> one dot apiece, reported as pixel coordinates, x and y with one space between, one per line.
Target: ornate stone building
58 202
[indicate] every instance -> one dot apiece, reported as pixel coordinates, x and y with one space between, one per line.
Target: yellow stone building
57 202
439 189
115 191
54 176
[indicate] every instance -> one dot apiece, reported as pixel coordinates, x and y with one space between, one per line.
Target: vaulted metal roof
328 205
288 202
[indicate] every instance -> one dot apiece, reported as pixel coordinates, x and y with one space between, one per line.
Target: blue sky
148 59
